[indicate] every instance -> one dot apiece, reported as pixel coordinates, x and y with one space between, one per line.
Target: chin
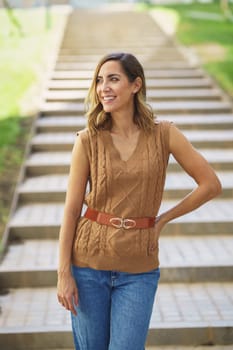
108 109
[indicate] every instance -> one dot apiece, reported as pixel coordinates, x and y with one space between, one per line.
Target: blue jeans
114 309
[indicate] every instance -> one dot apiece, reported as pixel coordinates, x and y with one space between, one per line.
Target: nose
105 86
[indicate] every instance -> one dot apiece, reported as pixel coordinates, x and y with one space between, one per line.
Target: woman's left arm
208 184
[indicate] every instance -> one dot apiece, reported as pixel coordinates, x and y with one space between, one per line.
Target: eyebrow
110 75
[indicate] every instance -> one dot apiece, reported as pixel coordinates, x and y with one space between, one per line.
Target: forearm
193 163
66 237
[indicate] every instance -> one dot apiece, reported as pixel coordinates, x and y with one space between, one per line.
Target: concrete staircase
194 304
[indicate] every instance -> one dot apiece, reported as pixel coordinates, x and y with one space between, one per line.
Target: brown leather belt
111 220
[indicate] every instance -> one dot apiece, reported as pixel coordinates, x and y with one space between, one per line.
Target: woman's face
113 88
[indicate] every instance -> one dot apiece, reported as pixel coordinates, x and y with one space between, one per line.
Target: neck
123 123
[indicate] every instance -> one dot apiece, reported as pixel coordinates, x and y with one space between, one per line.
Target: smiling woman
129 72
114 90
108 269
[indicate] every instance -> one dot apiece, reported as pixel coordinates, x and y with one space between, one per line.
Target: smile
108 98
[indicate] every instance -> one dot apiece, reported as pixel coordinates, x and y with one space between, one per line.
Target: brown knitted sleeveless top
131 188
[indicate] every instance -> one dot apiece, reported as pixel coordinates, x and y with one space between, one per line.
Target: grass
211 39
23 59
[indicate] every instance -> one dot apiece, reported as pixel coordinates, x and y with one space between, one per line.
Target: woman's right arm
79 171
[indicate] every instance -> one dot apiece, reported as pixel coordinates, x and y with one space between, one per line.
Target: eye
114 79
98 80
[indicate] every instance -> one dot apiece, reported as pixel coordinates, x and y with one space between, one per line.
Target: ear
137 85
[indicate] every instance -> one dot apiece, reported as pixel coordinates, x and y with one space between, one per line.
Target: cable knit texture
131 188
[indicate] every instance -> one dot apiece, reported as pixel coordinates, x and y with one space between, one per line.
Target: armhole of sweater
165 134
166 127
84 137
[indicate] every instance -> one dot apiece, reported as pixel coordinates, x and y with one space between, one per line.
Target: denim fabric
114 309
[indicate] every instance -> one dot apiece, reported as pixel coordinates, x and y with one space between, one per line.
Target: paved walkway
194 305
206 303
177 307
216 347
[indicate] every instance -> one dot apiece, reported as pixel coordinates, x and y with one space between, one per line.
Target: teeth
108 98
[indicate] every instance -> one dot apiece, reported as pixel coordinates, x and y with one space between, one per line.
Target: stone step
160 108
61 141
153 31
37 221
194 121
210 138
92 47
161 53
220 121
165 55
106 45
151 83
194 314
33 263
151 53
152 73
152 42
211 218
157 42
102 49
42 220
184 94
41 163
86 44
170 65
158 95
53 187
179 347
219 159
48 163
71 75
61 123
187 347
178 185
43 188
78 95
53 141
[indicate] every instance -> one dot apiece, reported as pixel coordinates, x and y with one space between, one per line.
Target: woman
108 263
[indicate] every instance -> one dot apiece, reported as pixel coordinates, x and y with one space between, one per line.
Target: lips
108 98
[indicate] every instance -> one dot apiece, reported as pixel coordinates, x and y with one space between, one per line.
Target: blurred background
48 50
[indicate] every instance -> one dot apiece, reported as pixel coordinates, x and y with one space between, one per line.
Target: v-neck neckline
117 152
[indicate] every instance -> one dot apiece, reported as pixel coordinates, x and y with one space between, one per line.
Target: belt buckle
122 223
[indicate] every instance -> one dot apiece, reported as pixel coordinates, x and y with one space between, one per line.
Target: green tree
224 4
11 15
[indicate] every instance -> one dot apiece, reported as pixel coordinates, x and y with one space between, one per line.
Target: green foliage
223 71
194 30
22 60
213 6
205 31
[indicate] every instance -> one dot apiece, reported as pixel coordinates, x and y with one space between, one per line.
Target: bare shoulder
190 159
83 133
162 125
180 146
162 122
83 136
176 137
80 148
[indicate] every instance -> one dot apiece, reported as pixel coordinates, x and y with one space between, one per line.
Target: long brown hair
143 115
